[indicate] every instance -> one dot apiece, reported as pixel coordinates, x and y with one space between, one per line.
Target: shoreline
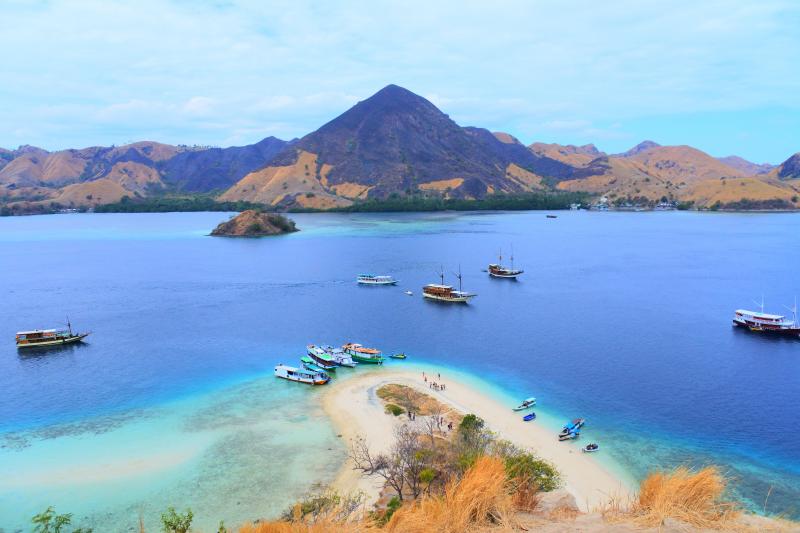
356 411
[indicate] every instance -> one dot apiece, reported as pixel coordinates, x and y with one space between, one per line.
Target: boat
321 358
552 216
309 364
301 375
761 322
398 356
48 337
529 417
339 357
369 279
569 435
497 270
590 448
576 423
410 293
526 403
363 355
446 293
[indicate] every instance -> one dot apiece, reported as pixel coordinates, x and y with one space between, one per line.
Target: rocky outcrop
253 223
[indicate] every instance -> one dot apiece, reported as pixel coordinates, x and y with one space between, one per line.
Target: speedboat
370 279
398 356
589 448
529 417
410 293
576 424
527 403
568 435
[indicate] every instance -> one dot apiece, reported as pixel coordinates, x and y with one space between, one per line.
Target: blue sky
719 75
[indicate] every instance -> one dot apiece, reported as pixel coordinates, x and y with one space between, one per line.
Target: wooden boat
497 270
339 357
446 293
591 448
309 364
369 279
398 356
526 404
301 375
48 337
362 354
761 322
321 358
529 417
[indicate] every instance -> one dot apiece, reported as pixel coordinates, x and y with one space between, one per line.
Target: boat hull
367 360
55 342
771 330
306 381
391 282
449 299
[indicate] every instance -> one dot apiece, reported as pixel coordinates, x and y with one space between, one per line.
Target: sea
621 318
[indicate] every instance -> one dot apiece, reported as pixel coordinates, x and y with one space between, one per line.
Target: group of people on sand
432 384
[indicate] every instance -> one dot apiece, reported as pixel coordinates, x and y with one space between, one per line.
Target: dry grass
481 498
692 497
322 526
408 397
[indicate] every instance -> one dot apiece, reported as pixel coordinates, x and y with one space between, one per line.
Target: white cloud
200 72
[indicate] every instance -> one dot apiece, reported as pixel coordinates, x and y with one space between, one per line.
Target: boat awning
759 314
36 331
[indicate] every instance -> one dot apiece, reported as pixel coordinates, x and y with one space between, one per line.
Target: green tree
174 522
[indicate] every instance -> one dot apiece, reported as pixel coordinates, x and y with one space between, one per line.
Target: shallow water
623 318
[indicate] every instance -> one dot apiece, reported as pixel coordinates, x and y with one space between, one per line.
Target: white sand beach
356 411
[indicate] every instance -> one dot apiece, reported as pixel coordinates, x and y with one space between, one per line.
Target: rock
252 223
557 500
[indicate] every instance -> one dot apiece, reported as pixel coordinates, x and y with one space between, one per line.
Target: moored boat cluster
320 361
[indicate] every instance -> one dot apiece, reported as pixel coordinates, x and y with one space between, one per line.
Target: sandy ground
356 411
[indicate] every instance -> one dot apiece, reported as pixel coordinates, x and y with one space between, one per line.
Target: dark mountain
217 168
397 142
790 168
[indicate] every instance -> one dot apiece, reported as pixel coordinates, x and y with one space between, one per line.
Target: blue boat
568 435
529 417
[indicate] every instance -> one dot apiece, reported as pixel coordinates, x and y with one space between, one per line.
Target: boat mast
69 326
512 257
441 274
459 277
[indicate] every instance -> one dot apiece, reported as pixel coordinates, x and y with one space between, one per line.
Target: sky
722 76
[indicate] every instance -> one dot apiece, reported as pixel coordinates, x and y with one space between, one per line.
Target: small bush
174 522
396 410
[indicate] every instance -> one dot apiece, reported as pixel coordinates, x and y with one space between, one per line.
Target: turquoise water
623 318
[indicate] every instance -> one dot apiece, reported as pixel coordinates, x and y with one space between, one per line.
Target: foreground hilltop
395 144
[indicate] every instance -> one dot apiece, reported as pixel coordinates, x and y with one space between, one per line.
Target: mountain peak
790 168
642 147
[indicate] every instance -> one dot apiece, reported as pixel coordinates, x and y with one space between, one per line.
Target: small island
252 223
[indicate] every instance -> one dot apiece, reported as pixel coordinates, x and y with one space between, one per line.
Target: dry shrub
692 497
480 498
322 526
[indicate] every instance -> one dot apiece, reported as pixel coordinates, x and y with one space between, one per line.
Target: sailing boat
497 270
446 293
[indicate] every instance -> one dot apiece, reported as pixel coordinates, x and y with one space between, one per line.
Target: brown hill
744 166
649 172
576 156
253 223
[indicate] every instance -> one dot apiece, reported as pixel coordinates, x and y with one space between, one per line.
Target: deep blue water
623 318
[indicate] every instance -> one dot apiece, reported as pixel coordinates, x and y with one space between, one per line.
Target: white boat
339 356
526 403
762 322
410 293
446 293
591 448
369 279
301 375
